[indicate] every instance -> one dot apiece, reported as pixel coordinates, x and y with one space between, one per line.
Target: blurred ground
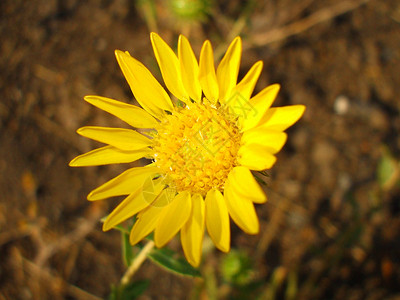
331 228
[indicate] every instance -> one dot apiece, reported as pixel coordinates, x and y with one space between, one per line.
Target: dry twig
38 272
83 229
323 15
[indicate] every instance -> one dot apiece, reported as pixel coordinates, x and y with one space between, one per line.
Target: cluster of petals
190 82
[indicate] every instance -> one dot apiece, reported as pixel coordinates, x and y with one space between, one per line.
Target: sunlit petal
193 231
147 219
146 89
134 203
169 66
260 104
173 217
207 76
238 101
246 86
217 220
131 114
130 206
241 210
145 224
124 184
268 139
189 69
281 118
121 138
108 155
243 183
256 157
228 69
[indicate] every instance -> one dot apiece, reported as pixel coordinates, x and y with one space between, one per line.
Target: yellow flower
202 146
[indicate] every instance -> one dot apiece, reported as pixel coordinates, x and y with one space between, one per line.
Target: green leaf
237 268
127 249
264 173
259 179
388 169
168 259
134 290
130 291
114 294
292 286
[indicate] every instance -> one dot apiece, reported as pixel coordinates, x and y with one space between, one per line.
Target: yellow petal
238 100
256 157
146 89
189 69
192 232
269 139
246 86
130 206
281 118
169 66
172 218
124 184
147 220
217 220
121 138
134 203
243 183
154 192
241 210
145 224
207 77
131 114
228 69
108 155
260 104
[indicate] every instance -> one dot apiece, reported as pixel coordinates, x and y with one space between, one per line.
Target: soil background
331 228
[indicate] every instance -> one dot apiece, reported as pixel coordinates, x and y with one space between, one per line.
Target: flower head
202 146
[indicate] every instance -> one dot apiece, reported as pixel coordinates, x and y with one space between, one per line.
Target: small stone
341 105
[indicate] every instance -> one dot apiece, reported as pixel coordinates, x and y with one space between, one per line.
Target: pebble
341 105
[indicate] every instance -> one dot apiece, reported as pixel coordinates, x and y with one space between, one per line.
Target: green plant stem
136 263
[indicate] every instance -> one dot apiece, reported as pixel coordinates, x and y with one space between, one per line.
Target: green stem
136 263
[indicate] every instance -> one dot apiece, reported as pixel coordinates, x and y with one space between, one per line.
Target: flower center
196 147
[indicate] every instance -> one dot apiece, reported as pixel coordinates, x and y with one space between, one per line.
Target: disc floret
196 147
